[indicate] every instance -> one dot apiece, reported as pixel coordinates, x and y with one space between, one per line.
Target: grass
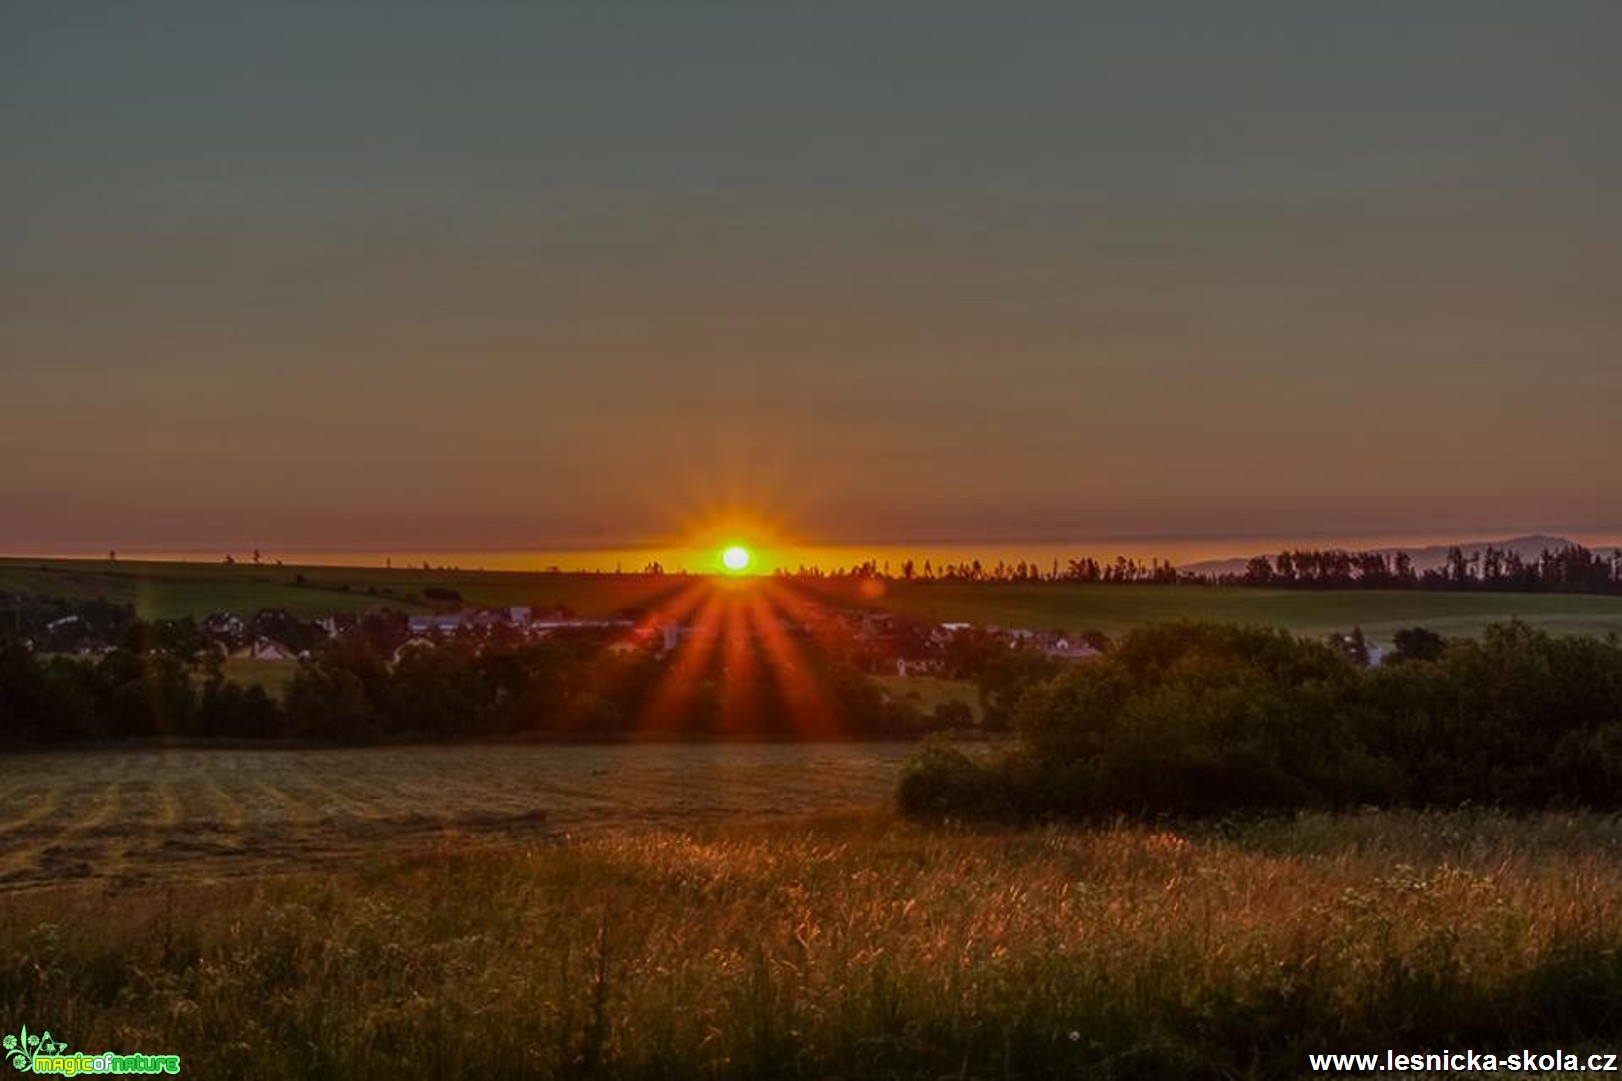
162 816
855 946
273 676
927 692
172 589
1116 609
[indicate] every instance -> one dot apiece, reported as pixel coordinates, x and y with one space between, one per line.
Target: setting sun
735 559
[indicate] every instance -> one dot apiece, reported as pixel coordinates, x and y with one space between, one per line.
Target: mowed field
148 816
162 590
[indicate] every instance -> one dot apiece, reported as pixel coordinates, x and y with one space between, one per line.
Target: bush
941 781
1207 720
1416 644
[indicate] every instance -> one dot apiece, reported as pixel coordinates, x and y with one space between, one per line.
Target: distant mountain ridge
1430 557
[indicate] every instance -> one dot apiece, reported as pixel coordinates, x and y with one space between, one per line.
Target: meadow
855 946
929 692
127 817
169 590
1116 609
174 590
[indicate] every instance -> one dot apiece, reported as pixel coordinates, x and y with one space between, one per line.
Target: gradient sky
508 275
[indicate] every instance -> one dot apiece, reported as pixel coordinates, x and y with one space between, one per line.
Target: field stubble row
167 815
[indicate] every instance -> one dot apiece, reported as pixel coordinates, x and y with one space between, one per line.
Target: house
338 623
907 644
223 625
440 624
265 649
1067 649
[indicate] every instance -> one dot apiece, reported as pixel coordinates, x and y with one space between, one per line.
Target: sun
735 559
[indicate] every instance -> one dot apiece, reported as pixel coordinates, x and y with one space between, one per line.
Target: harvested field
141 816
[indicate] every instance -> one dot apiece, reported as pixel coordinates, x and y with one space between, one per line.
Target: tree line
1568 569
1206 719
582 685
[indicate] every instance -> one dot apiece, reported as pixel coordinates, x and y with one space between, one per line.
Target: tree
1005 678
329 703
1458 568
1417 644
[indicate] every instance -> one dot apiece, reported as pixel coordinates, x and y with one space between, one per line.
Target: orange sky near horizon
770 556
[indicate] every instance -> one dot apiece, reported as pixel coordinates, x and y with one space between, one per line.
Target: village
879 642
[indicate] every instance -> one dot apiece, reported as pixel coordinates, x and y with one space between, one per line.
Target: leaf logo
22 1049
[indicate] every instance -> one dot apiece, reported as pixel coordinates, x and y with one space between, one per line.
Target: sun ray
740 674
678 690
811 714
740 658
670 612
811 612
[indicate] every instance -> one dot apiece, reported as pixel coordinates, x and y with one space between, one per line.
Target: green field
852 946
1114 609
927 692
273 676
170 590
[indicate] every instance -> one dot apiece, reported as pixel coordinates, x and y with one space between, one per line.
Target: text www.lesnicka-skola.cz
1434 1062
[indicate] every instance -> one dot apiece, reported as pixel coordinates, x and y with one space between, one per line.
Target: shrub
941 780
1206 719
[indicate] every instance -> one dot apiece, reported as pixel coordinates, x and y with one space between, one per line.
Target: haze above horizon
535 280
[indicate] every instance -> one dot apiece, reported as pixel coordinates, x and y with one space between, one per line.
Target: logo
22 1049
40 1054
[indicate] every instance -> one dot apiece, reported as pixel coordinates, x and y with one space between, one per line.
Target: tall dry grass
856 947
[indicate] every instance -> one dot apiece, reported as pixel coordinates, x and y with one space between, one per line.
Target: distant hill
1426 558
